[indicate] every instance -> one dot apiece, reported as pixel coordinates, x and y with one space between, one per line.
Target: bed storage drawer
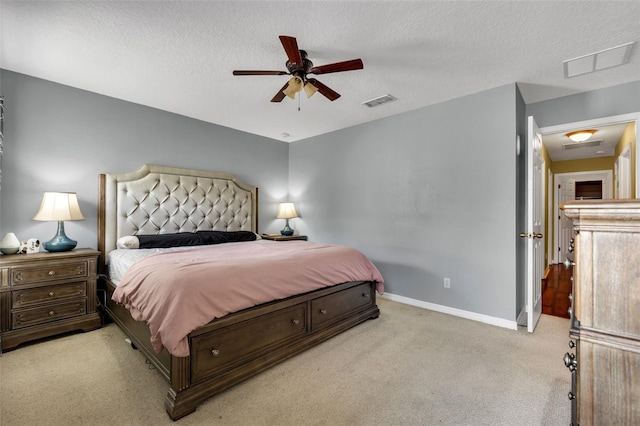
328 309
231 346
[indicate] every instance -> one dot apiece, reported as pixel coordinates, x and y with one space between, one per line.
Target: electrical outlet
447 282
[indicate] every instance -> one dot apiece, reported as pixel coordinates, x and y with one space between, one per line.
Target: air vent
582 144
597 61
379 101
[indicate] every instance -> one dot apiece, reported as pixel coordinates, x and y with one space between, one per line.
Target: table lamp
59 206
286 211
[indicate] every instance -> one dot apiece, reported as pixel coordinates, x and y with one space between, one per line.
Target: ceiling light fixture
580 135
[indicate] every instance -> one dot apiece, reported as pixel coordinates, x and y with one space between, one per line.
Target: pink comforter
177 292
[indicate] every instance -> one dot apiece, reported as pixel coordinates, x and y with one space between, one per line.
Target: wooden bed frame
233 348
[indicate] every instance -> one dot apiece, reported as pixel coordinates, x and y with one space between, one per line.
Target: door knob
532 235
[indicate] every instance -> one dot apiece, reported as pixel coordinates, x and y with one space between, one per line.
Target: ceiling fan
299 67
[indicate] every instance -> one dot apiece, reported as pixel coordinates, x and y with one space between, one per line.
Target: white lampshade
286 211
58 206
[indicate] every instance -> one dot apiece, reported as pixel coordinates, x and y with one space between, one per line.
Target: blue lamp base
60 242
287 229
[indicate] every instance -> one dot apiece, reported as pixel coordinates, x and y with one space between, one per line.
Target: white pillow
128 242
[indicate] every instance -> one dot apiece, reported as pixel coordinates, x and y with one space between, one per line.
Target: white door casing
622 173
535 224
566 192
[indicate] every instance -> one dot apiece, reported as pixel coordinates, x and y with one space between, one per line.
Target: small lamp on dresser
59 206
286 211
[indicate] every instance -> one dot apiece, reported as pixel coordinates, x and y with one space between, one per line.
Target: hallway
556 288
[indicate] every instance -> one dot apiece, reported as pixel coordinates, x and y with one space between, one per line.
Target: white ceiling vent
582 144
379 100
597 61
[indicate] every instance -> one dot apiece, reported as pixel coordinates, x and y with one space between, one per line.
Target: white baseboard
500 322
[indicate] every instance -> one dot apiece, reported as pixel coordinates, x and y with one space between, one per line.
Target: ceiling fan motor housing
300 70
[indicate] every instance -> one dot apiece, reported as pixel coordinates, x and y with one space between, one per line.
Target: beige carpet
409 367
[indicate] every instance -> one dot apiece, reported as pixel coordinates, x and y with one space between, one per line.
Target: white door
535 217
567 192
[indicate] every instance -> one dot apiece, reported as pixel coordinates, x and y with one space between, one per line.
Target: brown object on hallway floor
556 288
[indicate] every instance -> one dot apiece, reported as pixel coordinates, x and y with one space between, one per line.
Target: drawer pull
571 396
295 322
365 295
52 273
570 361
51 294
323 311
52 313
215 352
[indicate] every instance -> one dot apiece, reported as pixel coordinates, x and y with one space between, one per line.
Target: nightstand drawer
27 275
53 293
48 313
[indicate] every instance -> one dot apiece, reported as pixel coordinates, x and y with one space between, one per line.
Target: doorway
612 185
573 186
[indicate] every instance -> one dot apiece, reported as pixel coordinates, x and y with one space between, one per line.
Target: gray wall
426 194
430 193
58 138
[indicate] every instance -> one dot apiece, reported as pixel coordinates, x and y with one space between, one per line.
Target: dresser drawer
53 293
48 313
325 310
28 275
234 345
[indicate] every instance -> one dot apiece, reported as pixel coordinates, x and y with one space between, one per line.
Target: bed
231 347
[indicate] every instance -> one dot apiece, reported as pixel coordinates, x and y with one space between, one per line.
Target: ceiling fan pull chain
299 101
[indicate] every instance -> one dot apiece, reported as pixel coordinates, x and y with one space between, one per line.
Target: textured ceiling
179 56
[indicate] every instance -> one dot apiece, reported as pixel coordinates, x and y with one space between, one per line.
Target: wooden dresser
606 312
43 294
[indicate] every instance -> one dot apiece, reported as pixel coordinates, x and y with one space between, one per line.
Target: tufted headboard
159 200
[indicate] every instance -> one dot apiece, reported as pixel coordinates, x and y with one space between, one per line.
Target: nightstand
44 294
279 237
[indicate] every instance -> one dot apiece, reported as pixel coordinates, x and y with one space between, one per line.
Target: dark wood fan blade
291 48
324 90
257 72
353 64
280 95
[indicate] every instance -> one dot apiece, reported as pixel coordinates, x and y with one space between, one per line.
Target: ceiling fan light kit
299 67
